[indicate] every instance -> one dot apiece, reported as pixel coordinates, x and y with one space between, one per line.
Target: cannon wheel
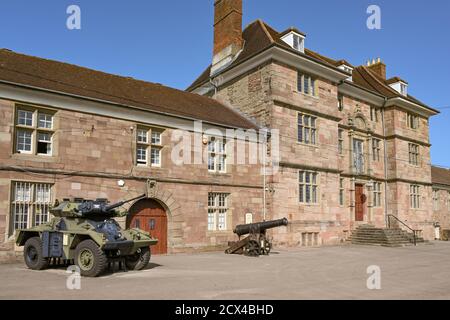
267 247
252 249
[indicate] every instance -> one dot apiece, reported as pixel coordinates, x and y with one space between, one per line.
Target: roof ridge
263 25
84 68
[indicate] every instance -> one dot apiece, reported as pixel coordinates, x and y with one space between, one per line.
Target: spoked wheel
252 249
139 260
90 259
266 248
33 256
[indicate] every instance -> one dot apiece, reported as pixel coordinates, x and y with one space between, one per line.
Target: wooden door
360 200
150 216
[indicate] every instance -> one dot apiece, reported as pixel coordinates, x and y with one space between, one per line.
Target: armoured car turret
85 233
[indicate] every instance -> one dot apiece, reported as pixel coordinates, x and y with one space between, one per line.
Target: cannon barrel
259 227
121 203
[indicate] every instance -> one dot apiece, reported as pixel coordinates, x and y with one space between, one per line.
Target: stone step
387 244
384 236
369 235
406 236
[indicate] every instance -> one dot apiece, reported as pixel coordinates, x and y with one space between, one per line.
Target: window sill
145 166
218 232
306 95
217 173
315 146
34 157
309 204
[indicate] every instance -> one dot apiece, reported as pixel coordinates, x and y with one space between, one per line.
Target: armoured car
84 233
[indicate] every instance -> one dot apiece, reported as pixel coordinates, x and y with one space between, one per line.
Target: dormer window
295 39
298 43
403 89
347 68
399 85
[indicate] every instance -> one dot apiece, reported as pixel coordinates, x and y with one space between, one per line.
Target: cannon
256 242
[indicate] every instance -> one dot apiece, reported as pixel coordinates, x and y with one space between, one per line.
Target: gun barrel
121 203
259 227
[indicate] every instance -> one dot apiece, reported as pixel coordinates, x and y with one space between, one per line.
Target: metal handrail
404 224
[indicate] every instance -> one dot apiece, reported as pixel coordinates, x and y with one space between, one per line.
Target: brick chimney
378 67
227 32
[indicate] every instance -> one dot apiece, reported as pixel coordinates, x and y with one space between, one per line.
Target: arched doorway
149 215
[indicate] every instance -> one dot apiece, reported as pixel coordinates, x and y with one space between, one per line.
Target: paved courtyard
421 272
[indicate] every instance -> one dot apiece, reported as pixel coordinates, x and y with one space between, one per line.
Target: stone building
72 132
354 144
441 200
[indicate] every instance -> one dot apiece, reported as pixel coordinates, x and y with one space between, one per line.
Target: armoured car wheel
139 260
33 256
90 259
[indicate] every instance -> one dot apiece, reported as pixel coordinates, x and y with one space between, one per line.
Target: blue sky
170 41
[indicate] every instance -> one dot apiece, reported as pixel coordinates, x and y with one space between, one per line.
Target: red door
150 216
360 200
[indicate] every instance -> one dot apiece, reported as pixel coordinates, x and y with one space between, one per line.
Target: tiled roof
74 80
440 176
259 36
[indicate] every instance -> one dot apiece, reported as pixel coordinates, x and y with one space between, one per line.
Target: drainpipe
211 81
264 172
385 162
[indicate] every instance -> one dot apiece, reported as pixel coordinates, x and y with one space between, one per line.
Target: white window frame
47 142
217 211
217 152
403 89
311 184
21 141
46 121
31 208
145 140
33 127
